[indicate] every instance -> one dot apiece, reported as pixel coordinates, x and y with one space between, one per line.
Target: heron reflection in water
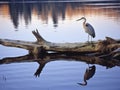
89 73
88 28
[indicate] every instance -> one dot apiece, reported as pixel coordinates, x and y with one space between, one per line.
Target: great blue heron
89 73
88 28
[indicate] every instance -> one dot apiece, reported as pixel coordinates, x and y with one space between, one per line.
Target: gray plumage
88 28
89 73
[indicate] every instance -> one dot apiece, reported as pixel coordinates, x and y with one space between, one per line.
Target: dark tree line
63 0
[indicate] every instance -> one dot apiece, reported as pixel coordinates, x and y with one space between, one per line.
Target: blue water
56 23
58 75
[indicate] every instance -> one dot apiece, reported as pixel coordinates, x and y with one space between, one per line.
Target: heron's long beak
78 19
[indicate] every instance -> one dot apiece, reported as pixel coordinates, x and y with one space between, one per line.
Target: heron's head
83 84
81 19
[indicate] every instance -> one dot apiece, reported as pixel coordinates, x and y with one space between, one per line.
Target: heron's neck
84 20
84 84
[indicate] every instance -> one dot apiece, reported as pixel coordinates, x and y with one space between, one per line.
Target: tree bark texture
98 48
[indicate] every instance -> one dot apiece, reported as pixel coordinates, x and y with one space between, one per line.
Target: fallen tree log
43 46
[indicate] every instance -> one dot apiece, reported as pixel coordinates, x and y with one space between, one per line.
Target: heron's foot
90 43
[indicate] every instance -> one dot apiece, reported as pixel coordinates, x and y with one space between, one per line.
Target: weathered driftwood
43 46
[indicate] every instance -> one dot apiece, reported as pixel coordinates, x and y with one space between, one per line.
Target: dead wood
103 47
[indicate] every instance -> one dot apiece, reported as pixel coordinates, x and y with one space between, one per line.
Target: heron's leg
91 39
92 43
88 65
88 38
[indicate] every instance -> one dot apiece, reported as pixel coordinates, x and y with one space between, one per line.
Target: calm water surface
56 22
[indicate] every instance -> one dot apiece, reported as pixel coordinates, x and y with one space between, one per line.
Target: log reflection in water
48 57
42 60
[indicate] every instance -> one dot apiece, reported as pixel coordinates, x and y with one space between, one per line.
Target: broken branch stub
38 37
